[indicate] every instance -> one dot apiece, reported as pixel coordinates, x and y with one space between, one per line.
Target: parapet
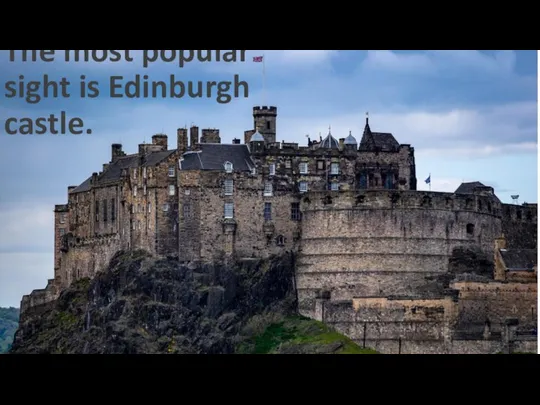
61 208
400 199
264 110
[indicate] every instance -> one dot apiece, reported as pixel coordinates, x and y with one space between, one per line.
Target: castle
398 269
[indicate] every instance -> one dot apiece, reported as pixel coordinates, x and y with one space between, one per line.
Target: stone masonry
374 254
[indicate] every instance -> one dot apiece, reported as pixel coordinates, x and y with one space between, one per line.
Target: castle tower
264 119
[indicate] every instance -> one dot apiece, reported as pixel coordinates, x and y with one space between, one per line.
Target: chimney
94 178
210 136
161 140
193 137
182 140
116 151
248 135
105 165
236 141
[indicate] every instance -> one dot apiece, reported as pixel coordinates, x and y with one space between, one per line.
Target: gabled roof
113 172
377 141
519 259
212 156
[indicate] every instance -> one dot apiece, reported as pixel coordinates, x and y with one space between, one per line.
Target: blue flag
428 180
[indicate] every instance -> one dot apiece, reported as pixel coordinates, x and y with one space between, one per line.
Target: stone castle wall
384 243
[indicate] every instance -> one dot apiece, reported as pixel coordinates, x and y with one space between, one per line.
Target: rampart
386 243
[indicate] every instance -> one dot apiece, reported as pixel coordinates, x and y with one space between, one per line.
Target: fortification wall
87 257
496 302
520 226
385 243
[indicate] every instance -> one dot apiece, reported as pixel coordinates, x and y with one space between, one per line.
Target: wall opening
470 229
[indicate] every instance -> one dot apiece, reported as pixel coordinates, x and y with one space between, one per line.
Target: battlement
525 212
265 110
396 199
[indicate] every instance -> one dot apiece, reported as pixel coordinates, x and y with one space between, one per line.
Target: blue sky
471 116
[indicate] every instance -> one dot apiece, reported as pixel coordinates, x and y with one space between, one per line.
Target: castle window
228 210
134 227
254 171
228 167
334 186
62 218
389 181
272 169
149 207
470 229
144 172
113 210
303 168
144 189
165 207
139 208
267 211
287 164
135 191
334 168
268 189
280 240
296 215
363 183
104 210
529 216
135 174
97 211
228 186
268 125
518 213
172 189
171 171
303 186
320 164
62 231
187 211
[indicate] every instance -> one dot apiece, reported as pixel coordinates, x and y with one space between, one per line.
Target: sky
470 115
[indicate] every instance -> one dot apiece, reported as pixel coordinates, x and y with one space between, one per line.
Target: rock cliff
144 305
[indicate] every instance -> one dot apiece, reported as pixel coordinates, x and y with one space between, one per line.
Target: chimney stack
161 140
182 140
116 151
248 135
236 141
193 137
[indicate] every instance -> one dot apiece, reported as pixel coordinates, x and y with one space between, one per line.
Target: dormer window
303 168
334 168
228 167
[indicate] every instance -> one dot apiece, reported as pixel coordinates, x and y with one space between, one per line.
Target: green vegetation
298 335
9 321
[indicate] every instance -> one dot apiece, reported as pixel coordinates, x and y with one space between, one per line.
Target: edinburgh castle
399 270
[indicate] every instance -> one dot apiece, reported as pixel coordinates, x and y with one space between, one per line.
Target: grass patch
303 335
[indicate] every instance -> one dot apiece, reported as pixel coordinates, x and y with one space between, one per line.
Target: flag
428 180
257 59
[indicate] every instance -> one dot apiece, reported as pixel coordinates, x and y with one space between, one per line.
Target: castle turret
256 144
265 121
350 142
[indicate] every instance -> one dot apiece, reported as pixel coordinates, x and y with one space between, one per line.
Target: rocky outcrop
144 305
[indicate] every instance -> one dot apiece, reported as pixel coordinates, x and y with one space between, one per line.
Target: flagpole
430 182
264 78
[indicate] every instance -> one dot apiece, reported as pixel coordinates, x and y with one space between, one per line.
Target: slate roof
212 156
257 137
382 141
468 188
350 140
113 172
519 259
329 142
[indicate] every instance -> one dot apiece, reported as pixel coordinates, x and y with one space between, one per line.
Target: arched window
228 167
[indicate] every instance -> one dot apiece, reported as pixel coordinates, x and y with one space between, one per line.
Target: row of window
105 212
304 169
172 190
171 172
296 215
